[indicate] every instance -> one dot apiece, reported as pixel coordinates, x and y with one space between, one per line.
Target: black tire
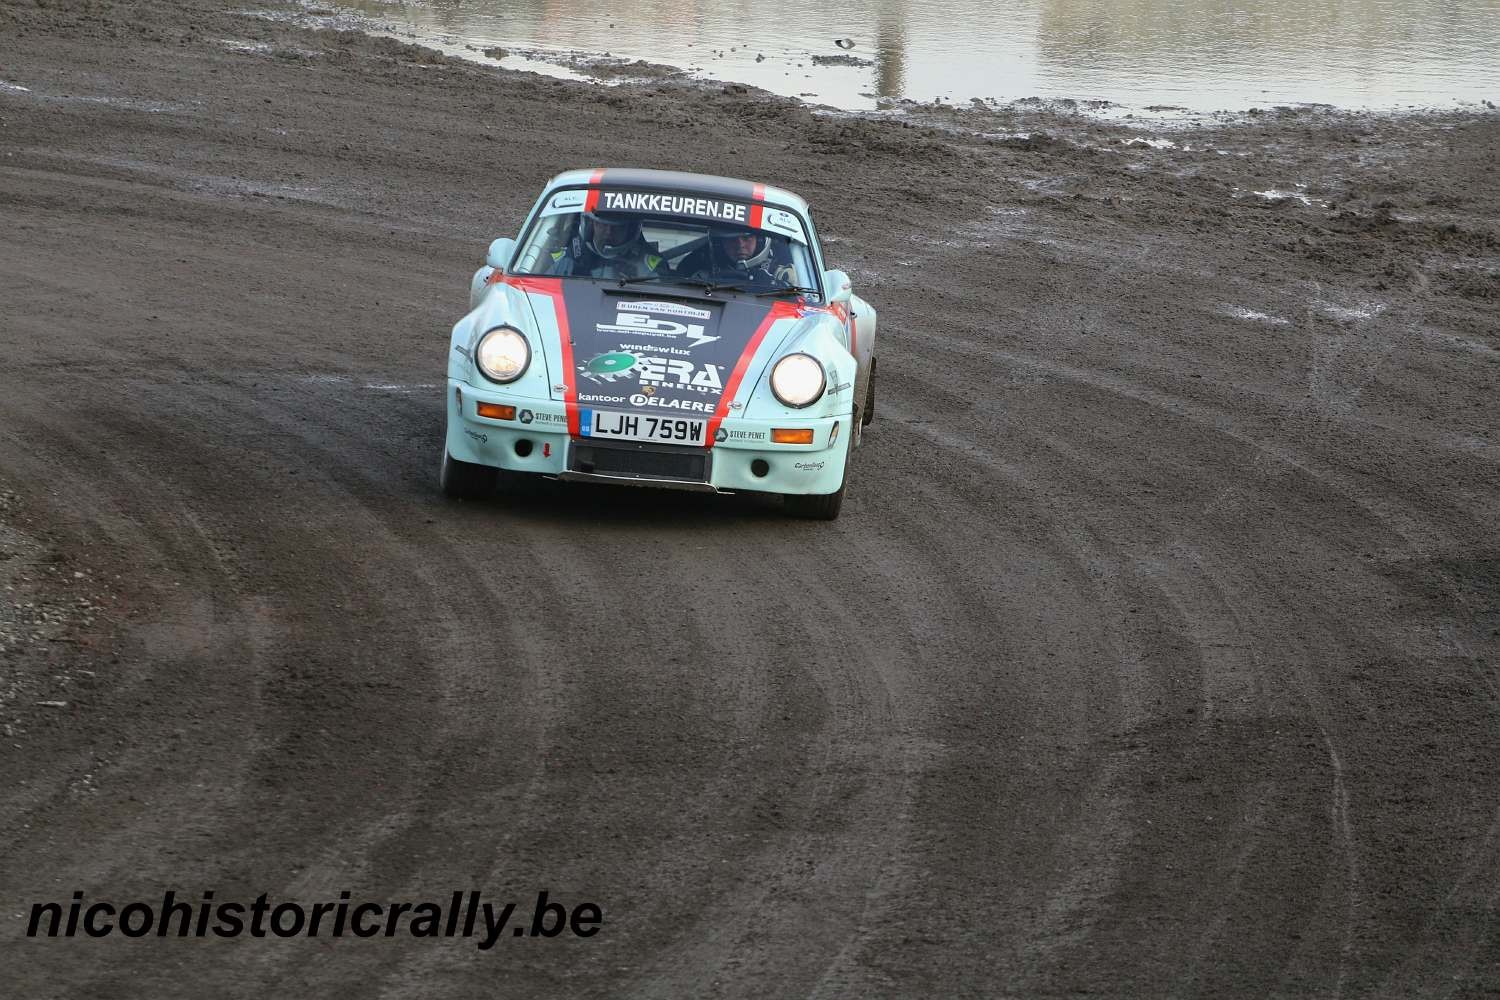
821 506
465 480
869 411
816 506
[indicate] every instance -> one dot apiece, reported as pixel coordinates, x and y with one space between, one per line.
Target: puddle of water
1275 194
256 48
263 48
1196 55
1299 195
1344 314
1251 316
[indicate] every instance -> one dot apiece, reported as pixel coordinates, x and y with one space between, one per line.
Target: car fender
500 304
862 319
862 342
817 334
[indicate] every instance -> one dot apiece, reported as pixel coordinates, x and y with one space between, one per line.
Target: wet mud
1155 652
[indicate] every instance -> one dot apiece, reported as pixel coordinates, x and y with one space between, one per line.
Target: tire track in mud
1025 876
1391 512
438 790
230 424
1127 647
179 792
1413 517
306 648
1086 468
1094 845
132 528
1461 932
778 926
240 411
809 697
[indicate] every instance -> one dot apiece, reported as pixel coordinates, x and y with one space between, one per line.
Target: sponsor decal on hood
647 352
628 351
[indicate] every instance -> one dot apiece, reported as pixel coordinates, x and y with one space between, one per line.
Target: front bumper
742 459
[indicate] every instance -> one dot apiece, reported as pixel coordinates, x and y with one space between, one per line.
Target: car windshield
644 246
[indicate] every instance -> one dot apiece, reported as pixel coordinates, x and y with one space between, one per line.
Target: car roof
681 182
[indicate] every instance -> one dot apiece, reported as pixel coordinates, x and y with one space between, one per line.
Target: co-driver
608 246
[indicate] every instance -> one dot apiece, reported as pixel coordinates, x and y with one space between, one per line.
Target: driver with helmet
739 252
608 246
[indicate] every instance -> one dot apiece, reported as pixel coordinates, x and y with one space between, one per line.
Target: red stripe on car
779 310
592 201
552 288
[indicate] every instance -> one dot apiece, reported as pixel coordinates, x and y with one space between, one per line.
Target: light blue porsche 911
663 329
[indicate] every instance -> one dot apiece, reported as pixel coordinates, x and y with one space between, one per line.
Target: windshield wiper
676 279
788 290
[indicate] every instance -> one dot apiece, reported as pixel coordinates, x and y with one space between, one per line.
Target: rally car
663 329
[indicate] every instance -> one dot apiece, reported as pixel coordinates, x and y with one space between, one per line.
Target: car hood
631 349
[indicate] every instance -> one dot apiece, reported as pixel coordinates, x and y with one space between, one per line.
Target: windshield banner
674 204
755 216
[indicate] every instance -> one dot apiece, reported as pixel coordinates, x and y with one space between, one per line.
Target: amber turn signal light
496 412
792 435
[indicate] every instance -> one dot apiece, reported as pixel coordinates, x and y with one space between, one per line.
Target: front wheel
465 480
822 506
816 506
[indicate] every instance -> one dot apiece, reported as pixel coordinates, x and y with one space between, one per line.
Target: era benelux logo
672 373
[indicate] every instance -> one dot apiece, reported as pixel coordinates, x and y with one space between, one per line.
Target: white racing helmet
609 235
758 256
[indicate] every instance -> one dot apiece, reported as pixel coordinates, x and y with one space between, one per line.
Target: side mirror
837 284
500 253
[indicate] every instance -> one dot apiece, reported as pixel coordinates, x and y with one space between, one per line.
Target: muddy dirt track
1156 653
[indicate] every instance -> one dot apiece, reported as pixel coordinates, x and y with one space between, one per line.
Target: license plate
643 427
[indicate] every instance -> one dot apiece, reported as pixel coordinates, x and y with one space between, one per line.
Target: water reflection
1348 52
890 51
1202 54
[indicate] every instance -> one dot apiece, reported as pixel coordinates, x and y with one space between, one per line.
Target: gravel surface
1156 653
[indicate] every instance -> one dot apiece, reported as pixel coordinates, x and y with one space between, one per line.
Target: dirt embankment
1155 653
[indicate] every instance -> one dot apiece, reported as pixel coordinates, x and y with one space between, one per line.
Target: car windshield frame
808 243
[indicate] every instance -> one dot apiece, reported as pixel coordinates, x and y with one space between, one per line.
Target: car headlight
797 380
502 354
